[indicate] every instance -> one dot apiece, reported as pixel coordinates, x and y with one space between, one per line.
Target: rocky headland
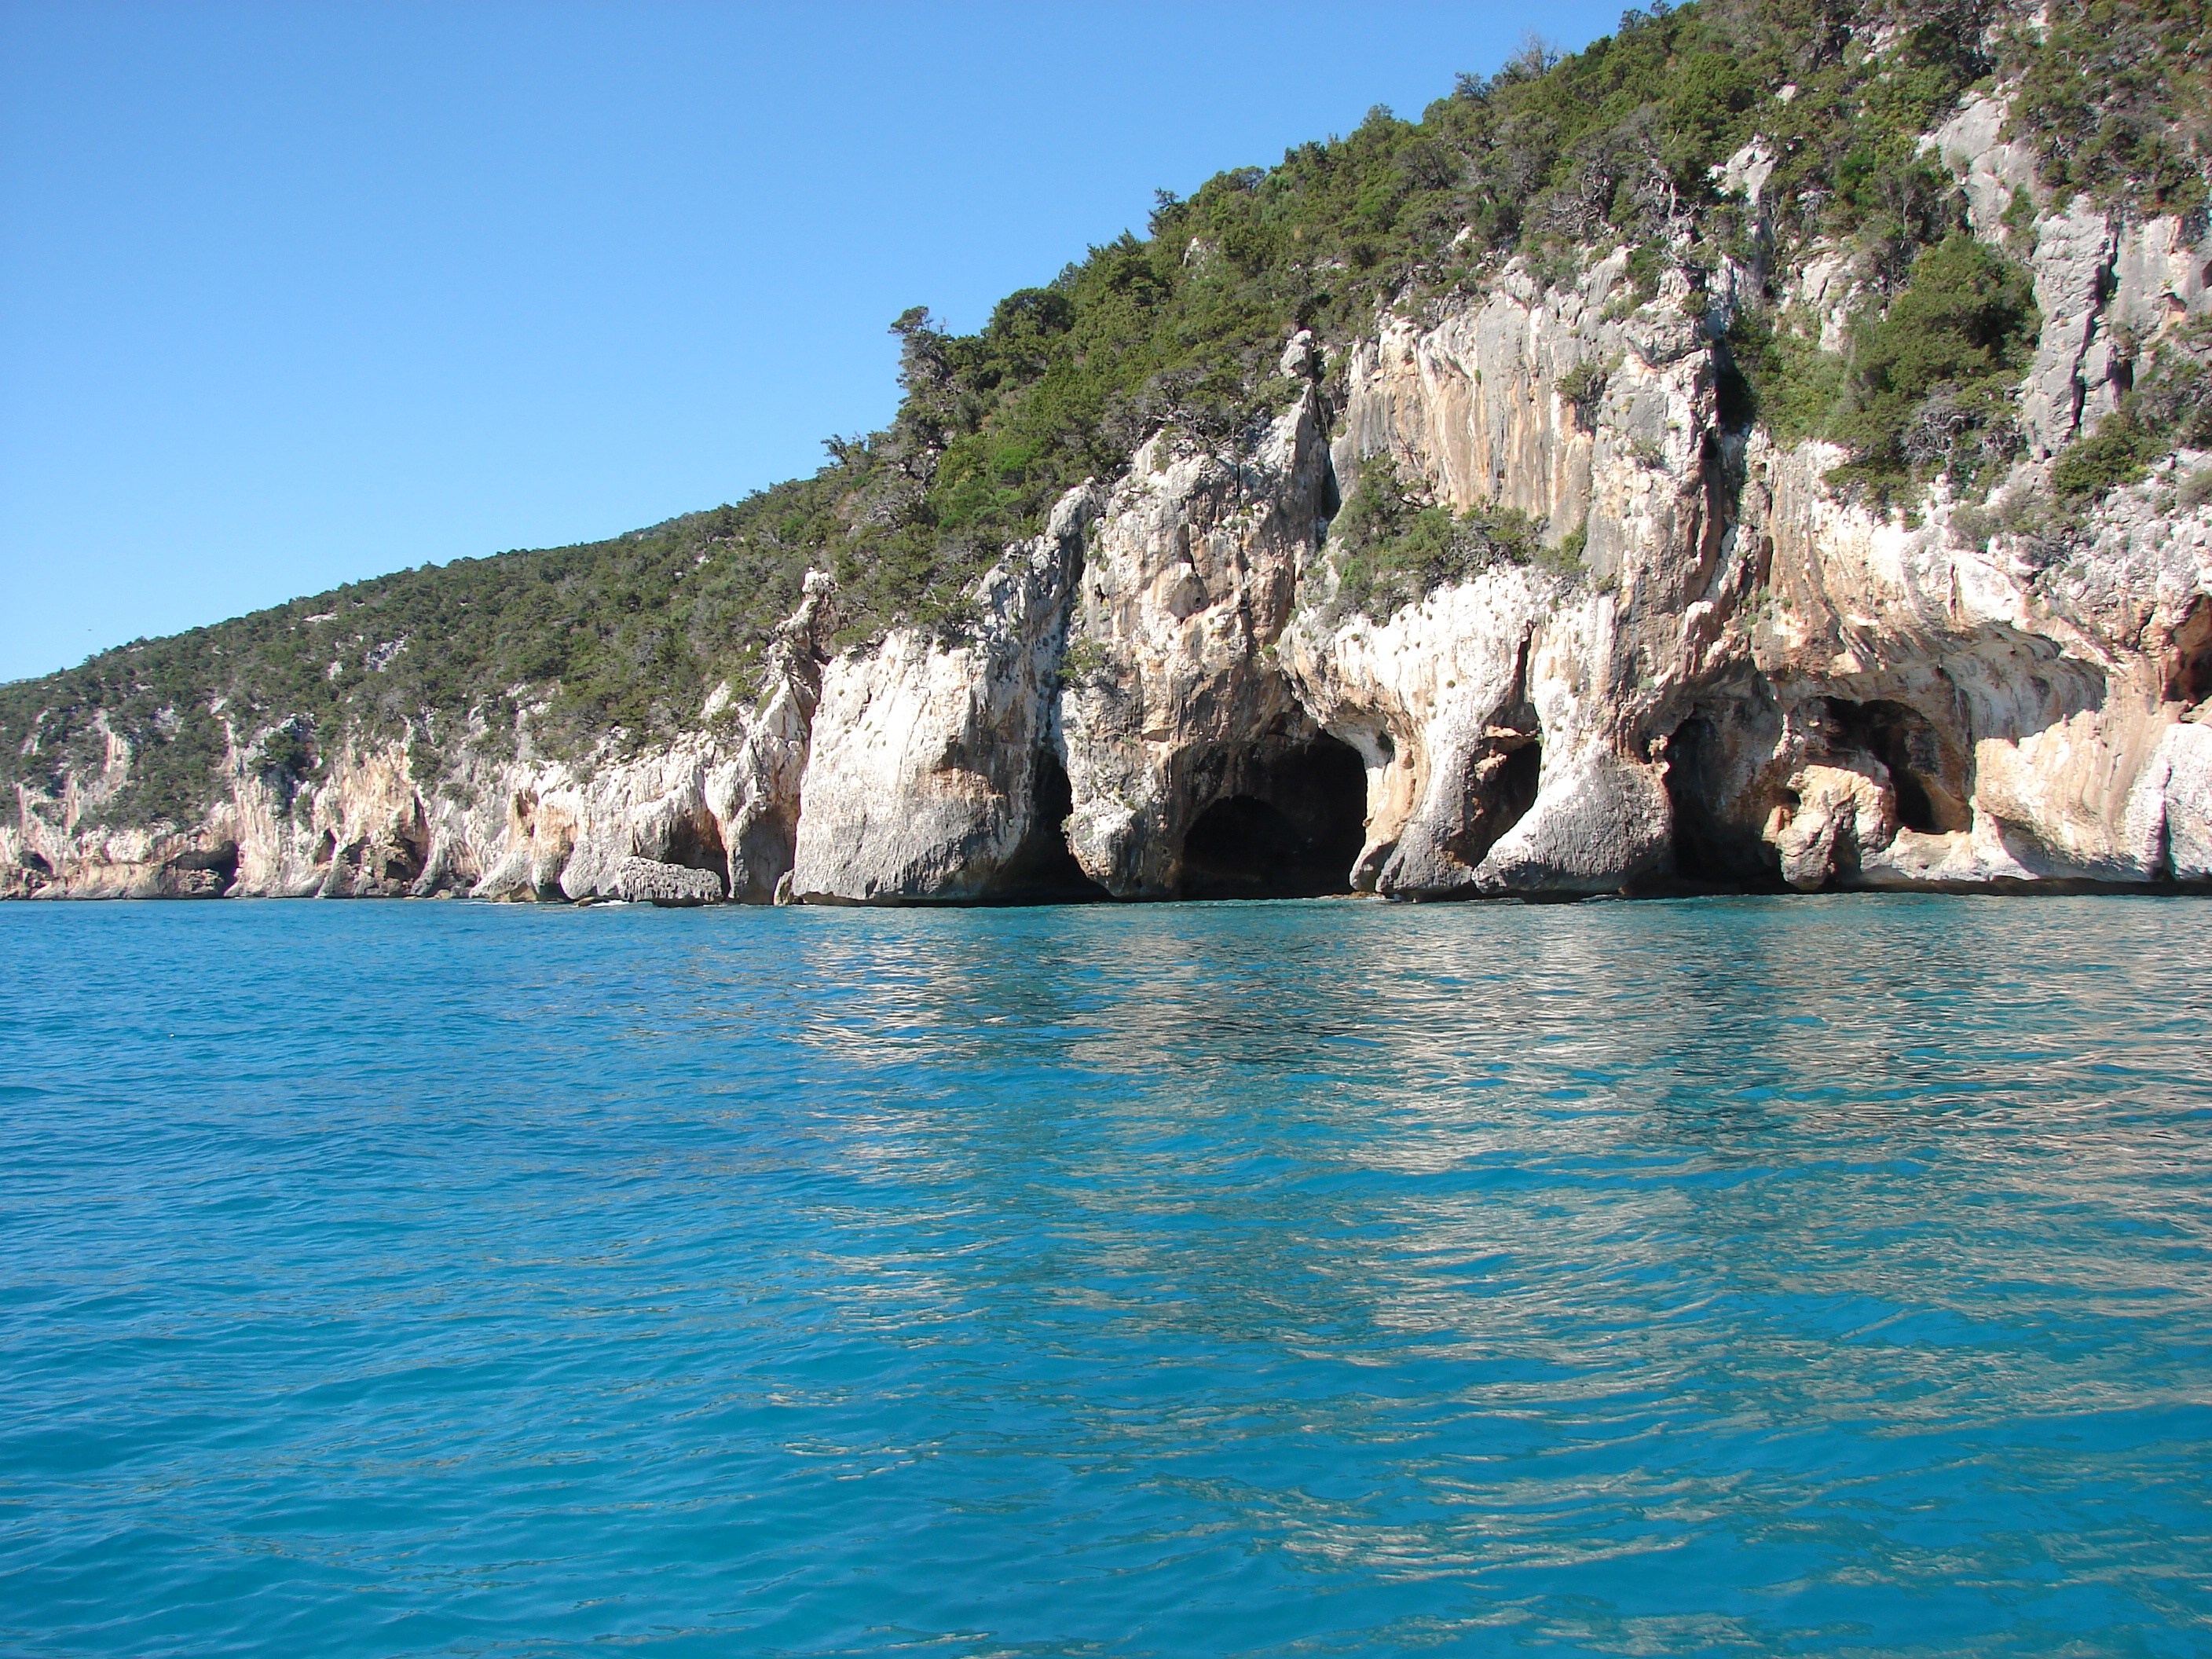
1672 643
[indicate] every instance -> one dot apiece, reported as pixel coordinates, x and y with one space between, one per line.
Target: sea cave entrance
1043 870
1712 848
1295 833
1929 777
695 842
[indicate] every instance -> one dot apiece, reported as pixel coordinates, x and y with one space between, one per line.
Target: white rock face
1501 717
1830 818
2179 785
2074 252
1991 168
922 779
1731 678
1176 699
646 881
1439 702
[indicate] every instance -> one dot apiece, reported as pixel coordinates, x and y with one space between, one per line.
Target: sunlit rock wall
1725 677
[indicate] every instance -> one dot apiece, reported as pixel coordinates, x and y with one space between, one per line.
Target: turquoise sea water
1806 1276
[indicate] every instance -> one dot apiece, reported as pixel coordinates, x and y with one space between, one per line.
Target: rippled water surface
1822 1276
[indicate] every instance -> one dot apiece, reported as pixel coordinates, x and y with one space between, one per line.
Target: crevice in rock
1367 874
1517 781
1928 775
1295 833
1710 849
344 864
1502 785
1734 401
2189 672
1043 870
34 861
1713 496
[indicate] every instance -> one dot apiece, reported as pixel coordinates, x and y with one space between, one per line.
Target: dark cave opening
1931 792
1042 870
1512 793
1709 850
401 859
1914 811
1735 401
221 859
695 844
1296 835
34 861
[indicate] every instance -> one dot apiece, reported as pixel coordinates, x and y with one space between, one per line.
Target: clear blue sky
295 294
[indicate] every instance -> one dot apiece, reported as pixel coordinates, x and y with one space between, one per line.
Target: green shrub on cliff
621 639
2113 94
1615 143
1551 159
1795 390
1932 382
1928 384
1400 546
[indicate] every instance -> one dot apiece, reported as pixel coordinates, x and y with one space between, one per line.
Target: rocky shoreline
1738 682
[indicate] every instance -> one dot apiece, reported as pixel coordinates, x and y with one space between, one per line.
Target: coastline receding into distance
1734 457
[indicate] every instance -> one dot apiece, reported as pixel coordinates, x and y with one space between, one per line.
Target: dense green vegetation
2116 96
1400 546
1927 383
1930 383
1553 159
628 634
2169 405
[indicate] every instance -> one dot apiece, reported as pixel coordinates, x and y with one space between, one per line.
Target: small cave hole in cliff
1517 781
695 844
327 848
1297 836
2189 680
33 861
1042 870
1927 780
1710 850
222 860
1734 402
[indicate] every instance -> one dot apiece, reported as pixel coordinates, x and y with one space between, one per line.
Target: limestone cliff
1720 671
1749 682
723 803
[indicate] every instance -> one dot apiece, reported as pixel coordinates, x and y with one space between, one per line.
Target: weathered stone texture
1742 680
646 880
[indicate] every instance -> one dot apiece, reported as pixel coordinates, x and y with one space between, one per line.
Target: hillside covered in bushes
1553 161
